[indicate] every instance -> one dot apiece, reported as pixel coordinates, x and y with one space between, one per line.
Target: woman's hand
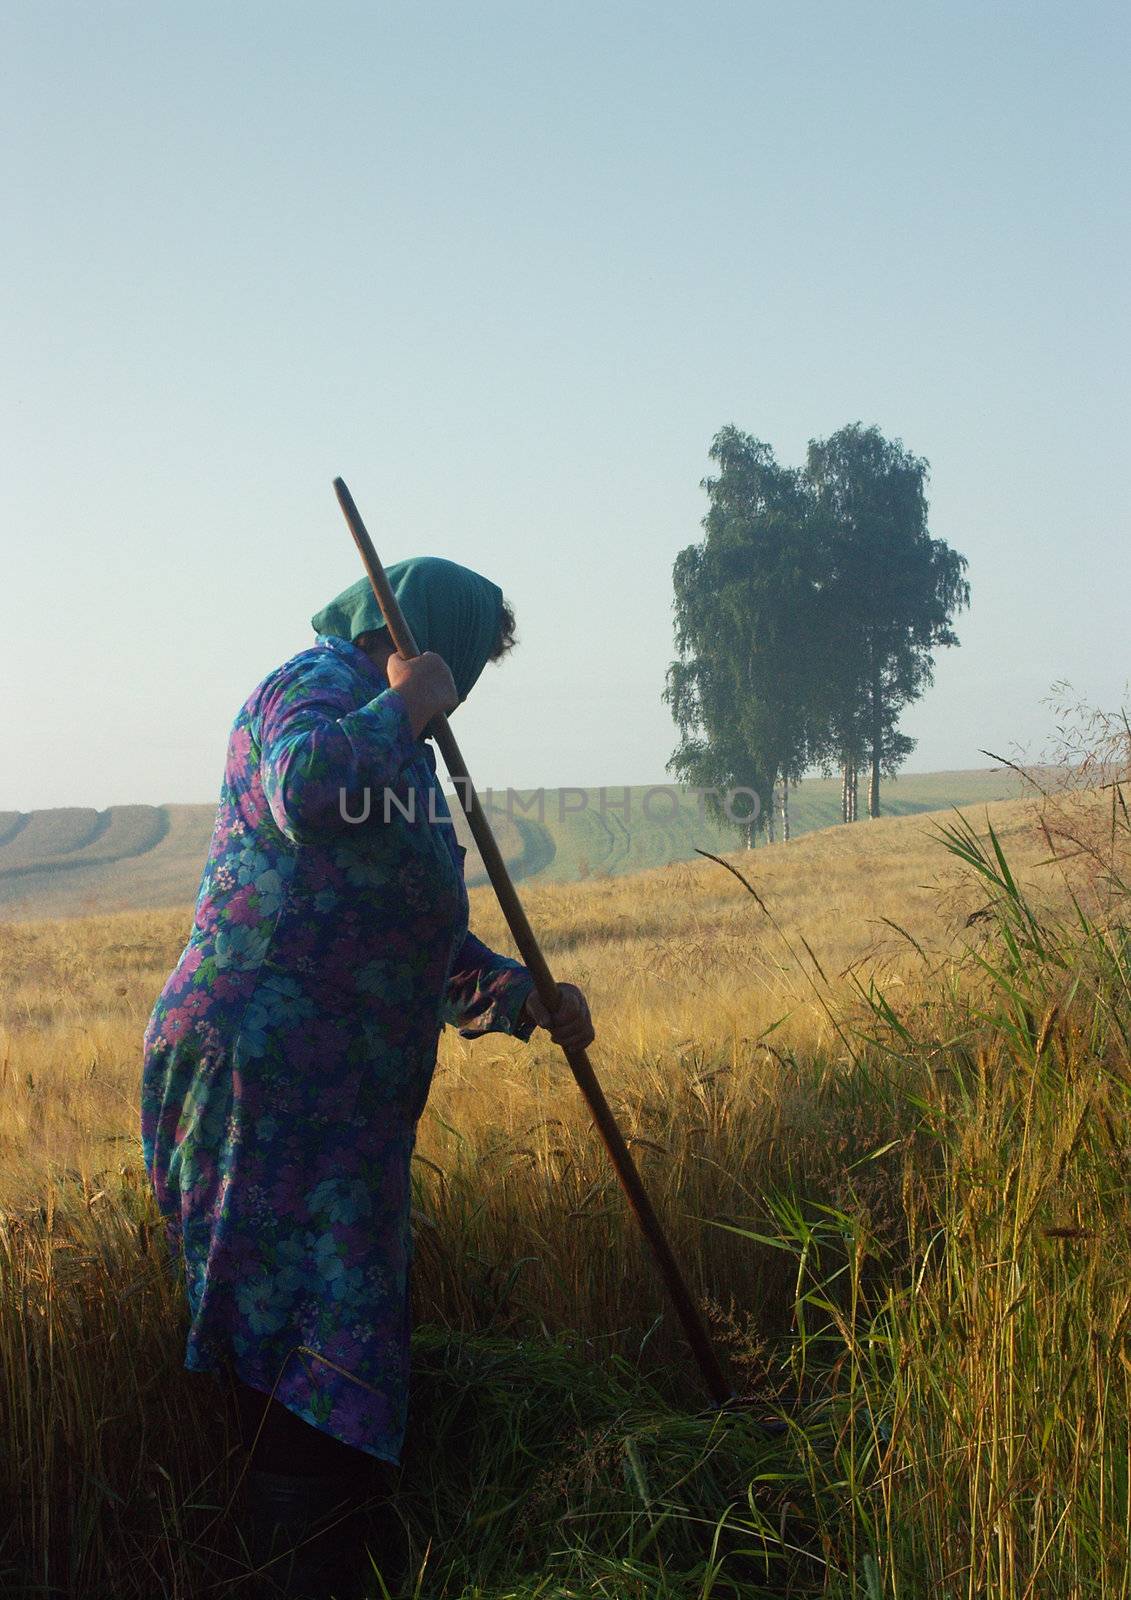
425 684
570 1025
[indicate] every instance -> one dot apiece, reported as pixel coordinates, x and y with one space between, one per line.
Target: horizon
74 860
488 790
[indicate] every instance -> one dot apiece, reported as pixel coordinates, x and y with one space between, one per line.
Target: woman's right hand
426 686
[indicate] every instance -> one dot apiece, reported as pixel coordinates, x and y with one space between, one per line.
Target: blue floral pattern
290 1053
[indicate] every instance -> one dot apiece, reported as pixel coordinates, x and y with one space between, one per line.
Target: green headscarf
449 608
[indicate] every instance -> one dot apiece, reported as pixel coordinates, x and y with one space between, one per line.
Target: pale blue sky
507 268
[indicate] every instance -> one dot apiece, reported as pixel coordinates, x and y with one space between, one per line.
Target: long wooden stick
721 1390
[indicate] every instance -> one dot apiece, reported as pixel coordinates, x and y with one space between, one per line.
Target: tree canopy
807 617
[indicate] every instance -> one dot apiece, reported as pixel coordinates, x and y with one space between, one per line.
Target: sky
508 268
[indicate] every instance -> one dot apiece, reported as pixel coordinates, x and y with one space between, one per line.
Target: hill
77 860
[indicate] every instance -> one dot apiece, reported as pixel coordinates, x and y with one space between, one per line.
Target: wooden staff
721 1390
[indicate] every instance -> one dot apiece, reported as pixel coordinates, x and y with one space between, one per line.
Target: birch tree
807 618
747 680
891 590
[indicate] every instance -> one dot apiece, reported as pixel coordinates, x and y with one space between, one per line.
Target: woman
290 1053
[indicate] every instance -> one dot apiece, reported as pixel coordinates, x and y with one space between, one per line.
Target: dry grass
906 1207
679 964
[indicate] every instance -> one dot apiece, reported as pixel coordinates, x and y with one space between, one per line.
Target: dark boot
385 1551
305 1536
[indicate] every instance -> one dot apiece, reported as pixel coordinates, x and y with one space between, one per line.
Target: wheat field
879 1092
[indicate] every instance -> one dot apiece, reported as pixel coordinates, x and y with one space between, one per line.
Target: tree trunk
848 790
751 833
853 794
771 838
785 813
877 741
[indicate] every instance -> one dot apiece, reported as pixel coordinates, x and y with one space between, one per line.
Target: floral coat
290 1053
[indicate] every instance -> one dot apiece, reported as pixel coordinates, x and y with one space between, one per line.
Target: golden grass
940 1172
678 963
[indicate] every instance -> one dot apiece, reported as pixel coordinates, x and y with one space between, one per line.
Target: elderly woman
290 1053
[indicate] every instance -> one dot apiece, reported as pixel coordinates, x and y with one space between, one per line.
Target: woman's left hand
570 1025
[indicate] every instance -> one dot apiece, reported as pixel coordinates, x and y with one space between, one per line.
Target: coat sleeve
486 992
320 757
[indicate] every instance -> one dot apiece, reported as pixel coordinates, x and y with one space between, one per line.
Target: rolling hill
77 860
